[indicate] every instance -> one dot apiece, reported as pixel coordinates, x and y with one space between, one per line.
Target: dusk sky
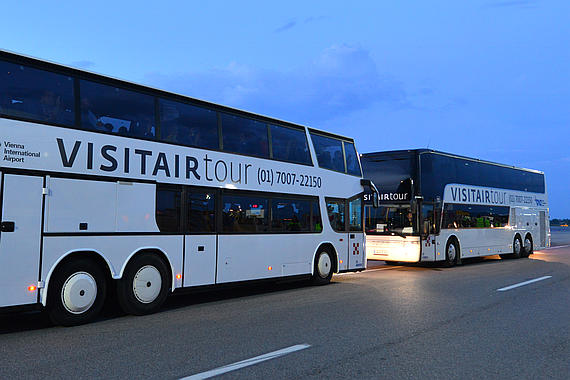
488 79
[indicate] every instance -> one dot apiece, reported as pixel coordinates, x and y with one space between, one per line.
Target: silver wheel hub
147 284
79 292
451 253
527 244
324 265
517 246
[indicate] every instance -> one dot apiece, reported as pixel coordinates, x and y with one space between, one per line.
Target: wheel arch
330 247
155 251
455 238
97 257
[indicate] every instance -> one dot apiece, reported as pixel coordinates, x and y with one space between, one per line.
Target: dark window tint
329 152
290 215
245 214
316 222
352 164
168 205
290 145
246 136
112 109
438 170
335 209
388 219
389 174
36 94
355 214
200 211
472 216
430 219
188 125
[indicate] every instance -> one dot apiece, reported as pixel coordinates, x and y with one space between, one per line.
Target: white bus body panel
20 249
102 207
71 151
243 257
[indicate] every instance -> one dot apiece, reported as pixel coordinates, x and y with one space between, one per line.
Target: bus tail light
269 268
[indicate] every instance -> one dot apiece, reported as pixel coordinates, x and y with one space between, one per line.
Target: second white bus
440 207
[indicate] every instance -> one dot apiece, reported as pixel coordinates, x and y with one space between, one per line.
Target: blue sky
488 79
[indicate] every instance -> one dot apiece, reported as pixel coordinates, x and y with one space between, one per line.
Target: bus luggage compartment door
200 260
20 239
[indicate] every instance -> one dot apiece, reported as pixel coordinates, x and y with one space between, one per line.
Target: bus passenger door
20 238
356 254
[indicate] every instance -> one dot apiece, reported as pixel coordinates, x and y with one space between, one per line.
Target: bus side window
289 145
335 209
36 94
201 211
355 214
168 208
245 214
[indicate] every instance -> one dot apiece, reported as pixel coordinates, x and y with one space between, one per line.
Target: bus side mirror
372 187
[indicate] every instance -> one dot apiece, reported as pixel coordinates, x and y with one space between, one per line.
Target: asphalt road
386 322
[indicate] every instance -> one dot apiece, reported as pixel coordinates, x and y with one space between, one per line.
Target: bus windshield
390 219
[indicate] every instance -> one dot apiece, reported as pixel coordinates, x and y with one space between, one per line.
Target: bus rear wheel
323 270
527 247
144 286
77 293
451 253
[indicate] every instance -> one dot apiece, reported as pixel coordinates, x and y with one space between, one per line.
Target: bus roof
85 74
407 152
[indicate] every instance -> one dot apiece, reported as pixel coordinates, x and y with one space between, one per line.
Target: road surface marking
523 283
247 362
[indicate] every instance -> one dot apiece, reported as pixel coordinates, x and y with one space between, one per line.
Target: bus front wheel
451 253
77 292
323 270
144 286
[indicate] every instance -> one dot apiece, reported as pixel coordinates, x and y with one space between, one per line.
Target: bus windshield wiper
396 233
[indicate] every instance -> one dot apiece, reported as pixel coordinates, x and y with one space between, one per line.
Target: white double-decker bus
108 184
436 206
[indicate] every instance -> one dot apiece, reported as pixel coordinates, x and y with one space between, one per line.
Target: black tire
451 253
517 248
528 246
76 293
391 262
144 286
323 269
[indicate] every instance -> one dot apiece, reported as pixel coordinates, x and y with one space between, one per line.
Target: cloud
82 64
285 27
341 80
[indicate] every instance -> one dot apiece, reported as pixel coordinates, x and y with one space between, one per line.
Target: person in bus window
50 107
410 219
88 118
194 136
145 127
